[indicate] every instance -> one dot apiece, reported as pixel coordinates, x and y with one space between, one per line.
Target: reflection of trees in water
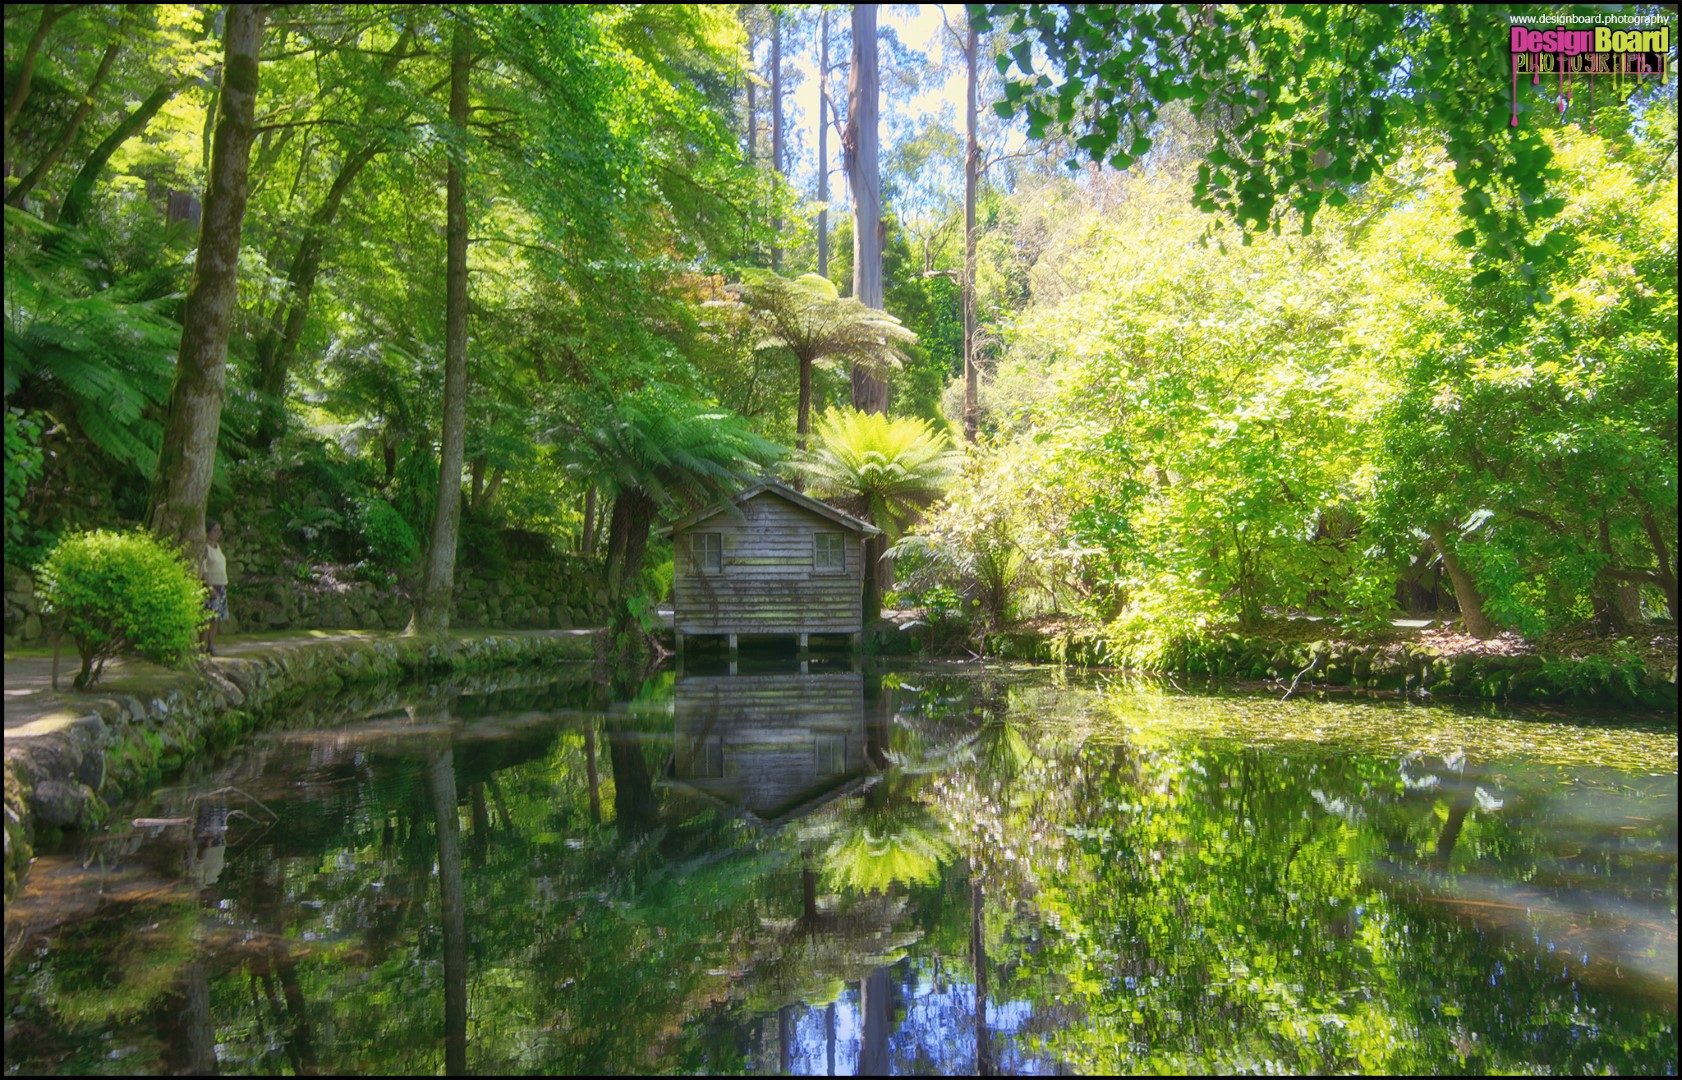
1200 900
1221 899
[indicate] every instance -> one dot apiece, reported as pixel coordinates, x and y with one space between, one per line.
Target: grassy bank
1433 661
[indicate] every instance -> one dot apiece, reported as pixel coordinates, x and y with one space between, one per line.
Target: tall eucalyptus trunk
453 905
864 176
823 143
432 611
187 458
972 169
777 129
753 106
876 1019
978 957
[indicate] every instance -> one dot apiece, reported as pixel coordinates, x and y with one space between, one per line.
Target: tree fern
806 316
885 470
84 342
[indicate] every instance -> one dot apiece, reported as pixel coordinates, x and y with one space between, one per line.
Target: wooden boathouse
771 748
770 561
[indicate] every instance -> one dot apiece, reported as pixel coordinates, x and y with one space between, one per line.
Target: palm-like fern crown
87 341
809 318
885 469
671 450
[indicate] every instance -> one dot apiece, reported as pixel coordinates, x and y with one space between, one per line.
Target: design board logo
1621 57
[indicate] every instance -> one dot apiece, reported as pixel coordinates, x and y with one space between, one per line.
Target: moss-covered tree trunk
181 485
80 192
432 610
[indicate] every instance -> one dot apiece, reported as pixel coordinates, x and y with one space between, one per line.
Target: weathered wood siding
767 583
781 741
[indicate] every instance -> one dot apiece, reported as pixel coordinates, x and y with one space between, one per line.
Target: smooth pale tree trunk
864 175
50 13
876 1007
181 486
1465 591
591 773
823 145
829 1038
67 136
432 612
80 192
972 169
978 955
753 107
777 128
442 776
280 340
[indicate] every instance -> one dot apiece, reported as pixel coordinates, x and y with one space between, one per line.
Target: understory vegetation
1215 380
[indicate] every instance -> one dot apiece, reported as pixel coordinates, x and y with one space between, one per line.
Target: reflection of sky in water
935 1035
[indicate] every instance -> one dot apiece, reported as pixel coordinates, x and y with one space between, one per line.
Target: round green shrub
388 537
122 592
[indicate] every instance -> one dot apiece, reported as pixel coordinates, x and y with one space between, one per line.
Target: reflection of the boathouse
774 747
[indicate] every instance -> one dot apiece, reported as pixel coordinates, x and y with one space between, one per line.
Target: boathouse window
709 757
708 551
827 553
831 754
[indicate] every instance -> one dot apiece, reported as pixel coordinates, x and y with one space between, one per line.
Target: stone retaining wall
1536 677
555 593
63 768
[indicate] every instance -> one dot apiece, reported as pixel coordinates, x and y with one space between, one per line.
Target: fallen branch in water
1312 664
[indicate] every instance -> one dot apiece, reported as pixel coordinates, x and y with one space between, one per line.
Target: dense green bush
387 536
122 592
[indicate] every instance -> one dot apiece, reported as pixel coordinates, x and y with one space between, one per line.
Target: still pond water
927 870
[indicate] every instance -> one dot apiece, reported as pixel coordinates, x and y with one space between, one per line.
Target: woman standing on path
214 570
